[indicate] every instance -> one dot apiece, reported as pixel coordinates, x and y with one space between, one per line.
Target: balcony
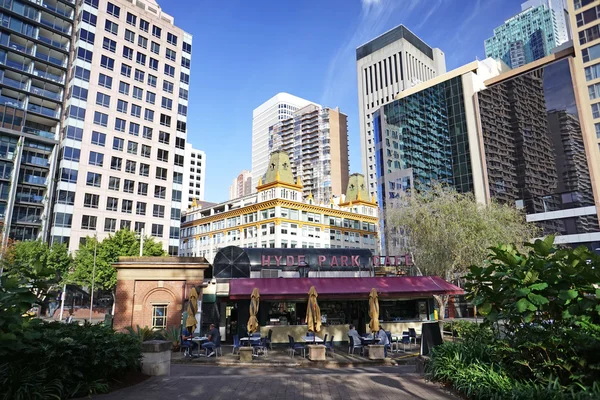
11 102
38 132
13 83
50 59
46 93
43 111
49 76
58 8
56 25
34 180
21 66
54 43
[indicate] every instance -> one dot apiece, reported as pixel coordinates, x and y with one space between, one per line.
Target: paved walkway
223 383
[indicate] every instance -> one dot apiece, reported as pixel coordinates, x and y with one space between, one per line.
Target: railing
49 75
68 14
14 83
38 132
17 65
46 93
8 101
21 48
58 27
29 198
53 42
50 59
43 110
34 180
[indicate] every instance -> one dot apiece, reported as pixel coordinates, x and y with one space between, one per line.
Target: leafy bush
143 334
470 330
66 360
172 334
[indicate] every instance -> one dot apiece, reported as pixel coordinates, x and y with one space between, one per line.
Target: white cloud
368 3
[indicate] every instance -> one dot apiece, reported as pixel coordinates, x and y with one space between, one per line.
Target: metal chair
260 347
353 346
329 346
405 340
269 335
236 344
295 346
218 348
412 334
187 345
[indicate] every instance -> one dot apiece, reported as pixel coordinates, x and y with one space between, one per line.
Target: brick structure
152 288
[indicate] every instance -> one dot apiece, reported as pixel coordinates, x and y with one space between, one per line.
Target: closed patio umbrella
374 311
254 302
313 312
192 308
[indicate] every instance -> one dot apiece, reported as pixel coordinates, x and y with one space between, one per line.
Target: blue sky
244 52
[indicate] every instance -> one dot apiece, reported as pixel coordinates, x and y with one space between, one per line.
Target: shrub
143 334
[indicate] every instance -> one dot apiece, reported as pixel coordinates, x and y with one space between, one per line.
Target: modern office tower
386 66
277 108
194 175
278 216
124 136
529 35
241 185
514 136
35 40
316 140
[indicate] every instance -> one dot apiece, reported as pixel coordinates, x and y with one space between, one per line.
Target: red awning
287 288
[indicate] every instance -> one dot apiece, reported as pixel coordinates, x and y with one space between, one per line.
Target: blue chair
187 345
329 346
405 340
295 346
268 341
311 334
353 346
260 346
412 334
325 339
236 344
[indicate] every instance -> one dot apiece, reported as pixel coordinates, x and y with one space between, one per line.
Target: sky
244 52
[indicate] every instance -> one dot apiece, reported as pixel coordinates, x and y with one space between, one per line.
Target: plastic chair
329 346
236 344
353 346
412 334
405 340
295 346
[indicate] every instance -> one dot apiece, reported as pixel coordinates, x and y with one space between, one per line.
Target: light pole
93 277
141 242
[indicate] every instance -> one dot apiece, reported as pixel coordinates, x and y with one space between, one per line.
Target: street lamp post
93 277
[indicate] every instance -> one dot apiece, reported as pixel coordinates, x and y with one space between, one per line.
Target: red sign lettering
344 261
322 260
355 261
289 261
334 262
266 261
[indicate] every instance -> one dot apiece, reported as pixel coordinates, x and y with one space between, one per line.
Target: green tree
447 231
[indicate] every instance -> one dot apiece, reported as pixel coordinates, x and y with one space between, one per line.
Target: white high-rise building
241 185
125 120
276 109
194 175
561 15
385 66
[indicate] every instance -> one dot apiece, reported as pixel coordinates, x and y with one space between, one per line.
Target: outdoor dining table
369 340
313 339
398 339
199 341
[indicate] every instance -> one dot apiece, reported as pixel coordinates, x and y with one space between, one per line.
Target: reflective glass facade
534 147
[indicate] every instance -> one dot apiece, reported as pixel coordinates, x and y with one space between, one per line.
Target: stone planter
316 352
156 357
376 352
245 354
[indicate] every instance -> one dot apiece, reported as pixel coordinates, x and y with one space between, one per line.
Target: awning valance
391 287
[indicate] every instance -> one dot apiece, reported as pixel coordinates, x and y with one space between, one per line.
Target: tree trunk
442 302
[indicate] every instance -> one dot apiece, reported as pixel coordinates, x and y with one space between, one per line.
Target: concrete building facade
386 66
194 175
125 120
241 185
316 140
276 109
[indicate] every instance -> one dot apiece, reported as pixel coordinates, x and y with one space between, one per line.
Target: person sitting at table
213 338
354 333
383 340
186 338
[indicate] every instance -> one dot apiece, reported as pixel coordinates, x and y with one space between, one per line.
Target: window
103 99
176 195
185 62
158 211
146 150
93 179
164 137
187 48
149 116
116 163
582 3
130 166
66 197
111 27
98 138
160 192
183 93
180 144
91 200
113 10
150 97
157 230
162 155
172 39
128 186
168 87
110 225
96 159
136 110
140 208
134 129
125 225
138 92
122 106
155 47
127 206
139 226
175 214
114 183
131 19
161 173
107 62
152 80
139 75
592 72
93 3
68 175
588 16
105 81
144 169
147 132
100 118
144 25
82 73
153 64
182 110
118 144
85 55
120 124
596 110
156 31
132 147
589 34
112 204
170 54
165 120
128 54
110 45
178 160
77 113
142 42
167 103
126 70
124 88
184 78
159 315
177 177
591 53
62 219
142 189
181 126
140 59
89 18
169 70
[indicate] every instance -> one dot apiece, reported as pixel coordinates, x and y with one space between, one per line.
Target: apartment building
194 175
385 66
124 125
35 42
241 185
316 140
